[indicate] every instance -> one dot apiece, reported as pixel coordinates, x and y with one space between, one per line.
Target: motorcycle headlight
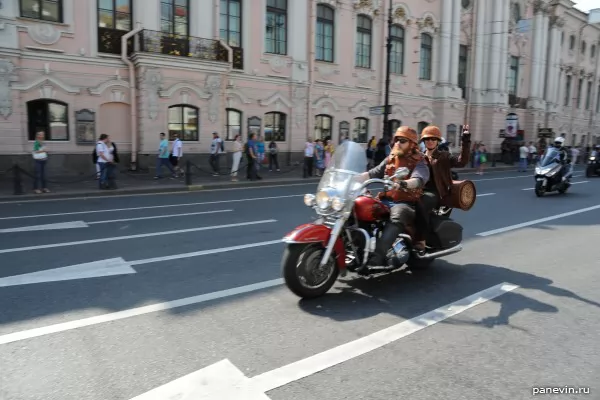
592 158
325 197
309 200
555 170
337 204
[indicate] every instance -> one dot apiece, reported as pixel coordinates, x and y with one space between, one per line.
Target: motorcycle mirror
401 173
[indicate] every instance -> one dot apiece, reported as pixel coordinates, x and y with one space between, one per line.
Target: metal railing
182 46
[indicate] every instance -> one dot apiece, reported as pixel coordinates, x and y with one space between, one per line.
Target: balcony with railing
109 41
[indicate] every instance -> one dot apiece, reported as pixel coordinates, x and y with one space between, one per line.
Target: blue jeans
40 174
163 161
522 164
106 173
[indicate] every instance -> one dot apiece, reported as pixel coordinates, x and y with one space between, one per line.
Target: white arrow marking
212 383
113 266
47 227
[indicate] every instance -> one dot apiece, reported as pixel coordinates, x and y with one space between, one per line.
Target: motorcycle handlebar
366 183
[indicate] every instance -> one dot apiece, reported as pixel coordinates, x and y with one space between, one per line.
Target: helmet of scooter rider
559 141
432 131
408 133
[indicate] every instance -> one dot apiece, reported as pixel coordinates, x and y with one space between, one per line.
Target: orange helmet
431 131
408 133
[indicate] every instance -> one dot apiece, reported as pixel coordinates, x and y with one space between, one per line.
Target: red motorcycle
349 222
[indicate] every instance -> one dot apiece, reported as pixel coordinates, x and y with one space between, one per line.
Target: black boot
384 243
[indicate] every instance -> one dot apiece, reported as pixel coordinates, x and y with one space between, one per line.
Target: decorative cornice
184 86
48 80
98 90
326 99
277 97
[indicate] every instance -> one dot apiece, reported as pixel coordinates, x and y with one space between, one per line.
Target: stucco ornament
7 69
45 34
153 80
299 113
427 25
368 7
213 86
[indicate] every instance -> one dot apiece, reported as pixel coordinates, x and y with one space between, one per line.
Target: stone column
504 55
479 46
553 78
444 65
536 50
496 47
544 53
455 42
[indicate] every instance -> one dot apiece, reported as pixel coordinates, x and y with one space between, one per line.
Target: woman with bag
40 155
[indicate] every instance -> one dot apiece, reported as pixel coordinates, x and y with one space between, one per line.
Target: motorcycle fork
335 233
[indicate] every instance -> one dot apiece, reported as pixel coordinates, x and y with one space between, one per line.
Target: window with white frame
324 36
360 133
364 29
426 57
322 126
397 53
276 28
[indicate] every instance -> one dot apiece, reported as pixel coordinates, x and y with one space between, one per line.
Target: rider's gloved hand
466 135
400 185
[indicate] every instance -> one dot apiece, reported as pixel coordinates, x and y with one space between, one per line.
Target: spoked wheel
539 190
303 273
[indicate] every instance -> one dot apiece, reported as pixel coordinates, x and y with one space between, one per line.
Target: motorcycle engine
400 253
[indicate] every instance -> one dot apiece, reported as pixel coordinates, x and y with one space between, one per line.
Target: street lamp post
386 112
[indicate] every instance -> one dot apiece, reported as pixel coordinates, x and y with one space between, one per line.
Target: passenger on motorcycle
403 197
565 157
440 165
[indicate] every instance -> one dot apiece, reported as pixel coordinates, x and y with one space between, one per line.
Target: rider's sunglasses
401 140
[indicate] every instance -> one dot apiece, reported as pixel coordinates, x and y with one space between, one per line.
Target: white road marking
111 267
158 216
99 319
223 380
151 207
537 221
46 227
142 235
572 183
486 194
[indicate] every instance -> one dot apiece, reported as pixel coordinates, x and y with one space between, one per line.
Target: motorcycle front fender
315 233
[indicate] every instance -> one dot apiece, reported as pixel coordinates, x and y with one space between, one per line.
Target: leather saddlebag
462 195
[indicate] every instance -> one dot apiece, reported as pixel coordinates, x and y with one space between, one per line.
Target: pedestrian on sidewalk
237 157
273 156
105 152
309 154
216 149
163 157
260 152
251 172
40 156
523 156
176 153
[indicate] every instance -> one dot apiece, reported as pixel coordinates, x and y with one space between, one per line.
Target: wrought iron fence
181 45
109 41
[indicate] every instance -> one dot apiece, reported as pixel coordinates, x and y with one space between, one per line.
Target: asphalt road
117 337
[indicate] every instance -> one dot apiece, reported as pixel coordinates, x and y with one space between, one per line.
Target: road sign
378 110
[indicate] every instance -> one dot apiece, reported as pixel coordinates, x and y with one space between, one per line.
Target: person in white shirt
216 149
309 154
237 156
574 155
105 160
523 154
532 153
176 154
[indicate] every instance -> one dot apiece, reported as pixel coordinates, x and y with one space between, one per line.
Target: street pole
386 112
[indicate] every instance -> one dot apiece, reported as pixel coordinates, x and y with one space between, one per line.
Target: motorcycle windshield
551 156
348 161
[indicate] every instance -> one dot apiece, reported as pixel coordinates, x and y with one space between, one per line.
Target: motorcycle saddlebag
462 195
446 232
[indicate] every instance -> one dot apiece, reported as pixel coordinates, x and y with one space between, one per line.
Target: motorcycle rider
404 195
565 157
440 165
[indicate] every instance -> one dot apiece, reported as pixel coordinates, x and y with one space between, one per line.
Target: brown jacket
442 162
393 163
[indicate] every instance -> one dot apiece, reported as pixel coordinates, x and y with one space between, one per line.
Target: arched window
322 126
360 133
344 131
422 125
184 120
275 127
50 117
397 54
363 41
394 124
276 29
233 125
425 62
571 42
324 36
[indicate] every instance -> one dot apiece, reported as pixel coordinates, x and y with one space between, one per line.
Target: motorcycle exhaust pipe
440 253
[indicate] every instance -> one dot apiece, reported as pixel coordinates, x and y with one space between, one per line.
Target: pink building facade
288 70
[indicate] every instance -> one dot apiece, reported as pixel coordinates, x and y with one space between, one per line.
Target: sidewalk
144 183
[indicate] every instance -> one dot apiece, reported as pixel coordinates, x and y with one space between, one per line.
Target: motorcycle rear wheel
302 273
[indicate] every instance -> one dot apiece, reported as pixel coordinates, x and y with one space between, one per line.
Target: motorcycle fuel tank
370 209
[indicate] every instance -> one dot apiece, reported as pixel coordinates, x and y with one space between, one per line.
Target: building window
275 127
276 29
394 124
322 126
233 125
513 75
425 62
462 69
593 51
583 47
397 54
588 96
360 133
363 42
184 120
324 37
567 99
45 10
571 42
579 92
598 100
516 13
174 17
114 20
422 125
231 22
50 117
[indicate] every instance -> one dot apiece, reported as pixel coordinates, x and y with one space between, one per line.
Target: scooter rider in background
565 158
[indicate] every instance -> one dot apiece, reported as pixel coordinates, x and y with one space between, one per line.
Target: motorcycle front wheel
539 190
302 271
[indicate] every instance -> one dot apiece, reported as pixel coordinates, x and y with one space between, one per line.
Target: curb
191 188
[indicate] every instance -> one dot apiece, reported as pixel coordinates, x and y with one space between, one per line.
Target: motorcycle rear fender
313 233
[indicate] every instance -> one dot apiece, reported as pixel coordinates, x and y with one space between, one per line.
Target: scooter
593 167
547 174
